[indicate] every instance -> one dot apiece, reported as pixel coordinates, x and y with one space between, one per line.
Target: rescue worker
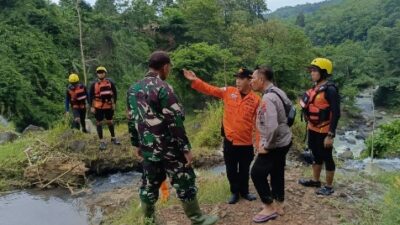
321 107
156 128
240 105
103 99
273 143
76 96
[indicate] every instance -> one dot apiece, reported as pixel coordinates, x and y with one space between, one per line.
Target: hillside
291 12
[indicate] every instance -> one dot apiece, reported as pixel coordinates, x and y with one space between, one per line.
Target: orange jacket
239 114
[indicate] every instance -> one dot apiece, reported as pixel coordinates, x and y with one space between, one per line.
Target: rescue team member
240 105
156 128
76 96
273 143
321 105
102 99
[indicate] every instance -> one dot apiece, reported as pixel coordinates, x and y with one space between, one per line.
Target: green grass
212 189
380 205
208 124
12 163
299 132
204 130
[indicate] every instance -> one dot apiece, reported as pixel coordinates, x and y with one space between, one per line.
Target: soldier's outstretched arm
174 117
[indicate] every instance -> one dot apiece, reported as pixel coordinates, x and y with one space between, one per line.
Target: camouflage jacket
156 118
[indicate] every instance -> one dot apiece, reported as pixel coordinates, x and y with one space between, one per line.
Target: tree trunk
81 41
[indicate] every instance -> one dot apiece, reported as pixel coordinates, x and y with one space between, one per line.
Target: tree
300 20
204 20
81 40
207 61
287 50
107 7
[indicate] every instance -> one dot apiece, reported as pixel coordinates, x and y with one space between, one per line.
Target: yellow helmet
73 78
323 64
101 68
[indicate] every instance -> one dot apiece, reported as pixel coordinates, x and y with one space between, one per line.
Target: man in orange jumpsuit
240 106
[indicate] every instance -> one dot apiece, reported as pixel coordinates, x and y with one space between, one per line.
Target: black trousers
237 162
320 153
81 114
271 164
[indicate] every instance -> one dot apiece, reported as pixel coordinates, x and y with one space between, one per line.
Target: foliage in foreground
385 142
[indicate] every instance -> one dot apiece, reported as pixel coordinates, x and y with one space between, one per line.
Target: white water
364 103
3 121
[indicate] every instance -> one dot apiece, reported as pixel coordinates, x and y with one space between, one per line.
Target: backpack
290 109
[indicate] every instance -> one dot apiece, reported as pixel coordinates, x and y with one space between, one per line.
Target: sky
271 4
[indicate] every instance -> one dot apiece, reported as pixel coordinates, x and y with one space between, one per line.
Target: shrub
386 141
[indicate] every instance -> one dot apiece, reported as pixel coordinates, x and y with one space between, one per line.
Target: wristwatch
331 135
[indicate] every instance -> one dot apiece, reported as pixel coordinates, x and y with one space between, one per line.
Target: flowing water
353 139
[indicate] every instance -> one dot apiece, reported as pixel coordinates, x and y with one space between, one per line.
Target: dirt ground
303 206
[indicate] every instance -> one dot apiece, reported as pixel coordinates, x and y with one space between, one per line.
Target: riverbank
65 157
359 198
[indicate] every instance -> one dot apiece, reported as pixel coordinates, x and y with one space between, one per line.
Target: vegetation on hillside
41 47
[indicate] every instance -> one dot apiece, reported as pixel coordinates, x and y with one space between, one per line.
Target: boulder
77 146
360 136
396 116
6 137
67 135
346 155
32 128
383 113
351 141
340 132
89 126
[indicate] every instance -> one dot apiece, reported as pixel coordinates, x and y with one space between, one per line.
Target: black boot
248 197
234 198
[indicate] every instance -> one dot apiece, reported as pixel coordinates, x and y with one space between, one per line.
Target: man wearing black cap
240 106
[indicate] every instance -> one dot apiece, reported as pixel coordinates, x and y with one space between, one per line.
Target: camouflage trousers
181 178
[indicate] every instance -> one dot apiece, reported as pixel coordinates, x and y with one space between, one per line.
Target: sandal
260 218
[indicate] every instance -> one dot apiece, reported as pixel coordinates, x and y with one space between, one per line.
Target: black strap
321 89
283 102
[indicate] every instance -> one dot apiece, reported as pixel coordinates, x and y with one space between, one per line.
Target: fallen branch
29 149
43 143
61 175
74 193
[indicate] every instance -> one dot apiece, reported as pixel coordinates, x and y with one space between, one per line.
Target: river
31 207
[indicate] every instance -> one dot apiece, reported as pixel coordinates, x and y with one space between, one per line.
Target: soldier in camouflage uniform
156 128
